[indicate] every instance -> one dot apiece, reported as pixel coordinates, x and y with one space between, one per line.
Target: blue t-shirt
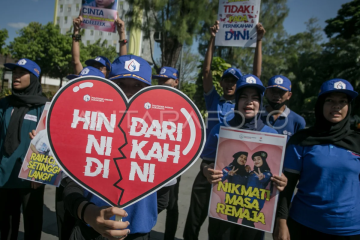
209 152
142 215
328 197
218 108
254 182
288 123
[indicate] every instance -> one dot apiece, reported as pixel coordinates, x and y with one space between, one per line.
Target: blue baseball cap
250 80
99 59
130 66
167 72
232 72
27 64
88 71
338 85
279 81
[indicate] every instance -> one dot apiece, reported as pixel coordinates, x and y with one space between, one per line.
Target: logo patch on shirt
30 117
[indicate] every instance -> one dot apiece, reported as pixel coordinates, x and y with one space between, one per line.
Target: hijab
255 123
241 168
263 168
325 132
22 101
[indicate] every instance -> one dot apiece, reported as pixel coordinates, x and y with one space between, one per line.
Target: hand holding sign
123 151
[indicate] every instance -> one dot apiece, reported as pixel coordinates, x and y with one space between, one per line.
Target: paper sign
39 164
99 15
248 159
238 19
123 150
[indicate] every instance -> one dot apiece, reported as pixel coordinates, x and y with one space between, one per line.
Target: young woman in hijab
19 115
237 172
259 178
325 160
248 95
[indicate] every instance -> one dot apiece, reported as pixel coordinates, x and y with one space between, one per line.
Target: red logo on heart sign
123 150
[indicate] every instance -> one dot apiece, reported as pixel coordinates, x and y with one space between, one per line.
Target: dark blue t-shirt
288 123
218 108
328 197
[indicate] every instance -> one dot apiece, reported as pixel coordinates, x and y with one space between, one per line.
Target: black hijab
325 132
241 168
255 123
263 168
22 101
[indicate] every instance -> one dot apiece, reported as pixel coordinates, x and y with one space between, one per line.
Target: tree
188 71
177 21
3 36
99 49
347 23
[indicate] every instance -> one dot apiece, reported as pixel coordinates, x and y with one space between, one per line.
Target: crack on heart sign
127 154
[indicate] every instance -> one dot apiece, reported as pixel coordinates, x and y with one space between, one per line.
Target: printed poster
248 160
238 19
99 15
39 164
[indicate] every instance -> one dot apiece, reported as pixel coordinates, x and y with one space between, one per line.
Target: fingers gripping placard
123 151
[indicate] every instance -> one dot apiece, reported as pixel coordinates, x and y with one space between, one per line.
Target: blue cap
88 71
250 81
232 72
27 64
130 66
338 85
279 81
167 72
99 59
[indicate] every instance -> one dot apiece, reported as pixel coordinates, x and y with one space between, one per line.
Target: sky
16 14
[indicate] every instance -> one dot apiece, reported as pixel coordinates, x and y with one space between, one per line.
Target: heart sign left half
120 149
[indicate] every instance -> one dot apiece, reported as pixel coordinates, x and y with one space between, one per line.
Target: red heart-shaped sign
123 150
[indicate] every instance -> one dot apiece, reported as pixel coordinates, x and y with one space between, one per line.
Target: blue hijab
255 123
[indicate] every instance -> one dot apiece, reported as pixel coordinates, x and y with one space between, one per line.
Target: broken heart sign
123 150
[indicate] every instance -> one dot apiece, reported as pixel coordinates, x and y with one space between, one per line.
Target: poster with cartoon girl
245 195
39 164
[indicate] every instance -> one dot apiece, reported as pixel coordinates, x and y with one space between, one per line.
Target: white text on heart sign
93 121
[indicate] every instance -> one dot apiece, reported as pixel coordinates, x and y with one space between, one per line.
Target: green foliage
218 66
188 71
99 49
189 89
3 36
177 21
347 23
5 92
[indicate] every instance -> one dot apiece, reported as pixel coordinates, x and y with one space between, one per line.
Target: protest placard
238 19
39 164
245 195
123 150
99 15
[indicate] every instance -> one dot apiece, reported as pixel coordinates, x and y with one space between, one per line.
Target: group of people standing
323 160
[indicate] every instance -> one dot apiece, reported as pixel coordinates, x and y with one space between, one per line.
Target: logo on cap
163 71
97 59
132 65
250 80
339 85
22 62
85 71
232 71
279 80
86 98
147 105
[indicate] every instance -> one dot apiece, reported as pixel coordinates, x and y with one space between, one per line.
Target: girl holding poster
248 100
325 160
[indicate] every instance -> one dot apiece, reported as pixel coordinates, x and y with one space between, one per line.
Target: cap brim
72 76
133 76
350 93
261 88
12 66
280 87
163 76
